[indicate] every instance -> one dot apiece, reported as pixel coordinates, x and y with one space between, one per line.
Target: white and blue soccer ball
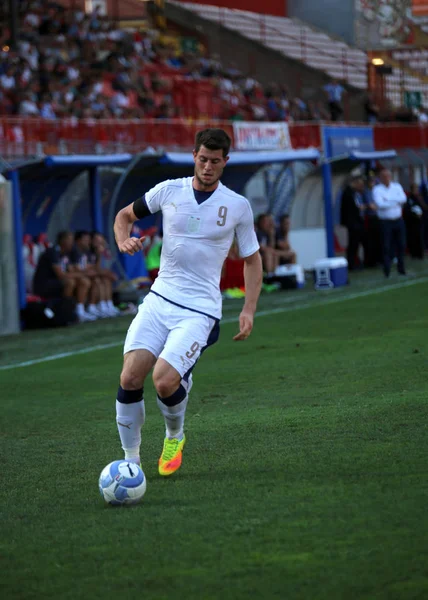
122 483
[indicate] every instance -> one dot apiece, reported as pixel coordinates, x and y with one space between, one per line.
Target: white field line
263 313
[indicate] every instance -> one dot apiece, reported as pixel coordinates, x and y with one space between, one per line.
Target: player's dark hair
284 216
260 218
213 139
80 234
61 236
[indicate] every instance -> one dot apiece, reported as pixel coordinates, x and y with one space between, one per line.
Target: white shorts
178 335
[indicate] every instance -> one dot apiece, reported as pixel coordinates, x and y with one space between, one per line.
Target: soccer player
180 316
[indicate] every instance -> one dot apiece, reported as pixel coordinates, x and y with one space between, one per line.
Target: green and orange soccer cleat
171 457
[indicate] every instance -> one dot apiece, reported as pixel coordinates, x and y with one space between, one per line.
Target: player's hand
131 245
245 326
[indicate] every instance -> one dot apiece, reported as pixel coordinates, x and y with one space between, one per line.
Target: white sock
80 308
174 418
110 303
104 305
93 307
130 418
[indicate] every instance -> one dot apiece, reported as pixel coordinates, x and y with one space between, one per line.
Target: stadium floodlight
378 62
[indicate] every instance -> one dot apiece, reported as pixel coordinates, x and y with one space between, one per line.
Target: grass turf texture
304 476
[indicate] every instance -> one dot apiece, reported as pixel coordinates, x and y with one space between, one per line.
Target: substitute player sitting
180 316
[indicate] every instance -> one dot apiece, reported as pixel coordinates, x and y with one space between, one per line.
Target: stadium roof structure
87 161
364 156
247 158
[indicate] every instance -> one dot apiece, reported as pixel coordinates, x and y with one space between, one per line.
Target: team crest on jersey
193 224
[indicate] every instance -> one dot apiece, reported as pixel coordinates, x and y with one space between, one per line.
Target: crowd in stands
72 64
75 267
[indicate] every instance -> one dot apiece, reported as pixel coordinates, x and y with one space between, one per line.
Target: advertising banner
261 136
420 8
340 141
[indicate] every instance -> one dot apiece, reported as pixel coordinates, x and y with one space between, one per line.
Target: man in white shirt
389 198
180 316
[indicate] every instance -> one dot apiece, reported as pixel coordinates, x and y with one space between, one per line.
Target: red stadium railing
400 135
21 137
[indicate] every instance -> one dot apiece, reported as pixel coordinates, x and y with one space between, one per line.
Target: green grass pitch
304 476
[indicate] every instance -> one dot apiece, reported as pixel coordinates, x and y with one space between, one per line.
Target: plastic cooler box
330 273
289 276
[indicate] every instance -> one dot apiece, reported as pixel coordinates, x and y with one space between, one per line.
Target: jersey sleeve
156 197
245 233
140 208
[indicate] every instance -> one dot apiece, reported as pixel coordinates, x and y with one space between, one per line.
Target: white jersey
196 241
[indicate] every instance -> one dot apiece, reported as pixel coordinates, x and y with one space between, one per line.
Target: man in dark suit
352 212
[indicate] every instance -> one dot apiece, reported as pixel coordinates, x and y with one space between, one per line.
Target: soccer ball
122 482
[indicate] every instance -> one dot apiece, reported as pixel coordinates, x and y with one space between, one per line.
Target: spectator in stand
52 278
28 107
334 92
46 108
371 109
413 216
352 212
258 109
285 252
266 236
7 80
421 115
275 111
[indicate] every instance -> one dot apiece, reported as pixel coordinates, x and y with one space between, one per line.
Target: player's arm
253 278
253 270
125 218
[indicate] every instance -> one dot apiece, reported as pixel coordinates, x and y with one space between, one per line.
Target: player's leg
387 246
83 285
107 298
69 285
188 338
400 244
145 339
102 307
130 410
93 298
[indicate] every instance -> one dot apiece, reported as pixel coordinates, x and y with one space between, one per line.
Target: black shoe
402 272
